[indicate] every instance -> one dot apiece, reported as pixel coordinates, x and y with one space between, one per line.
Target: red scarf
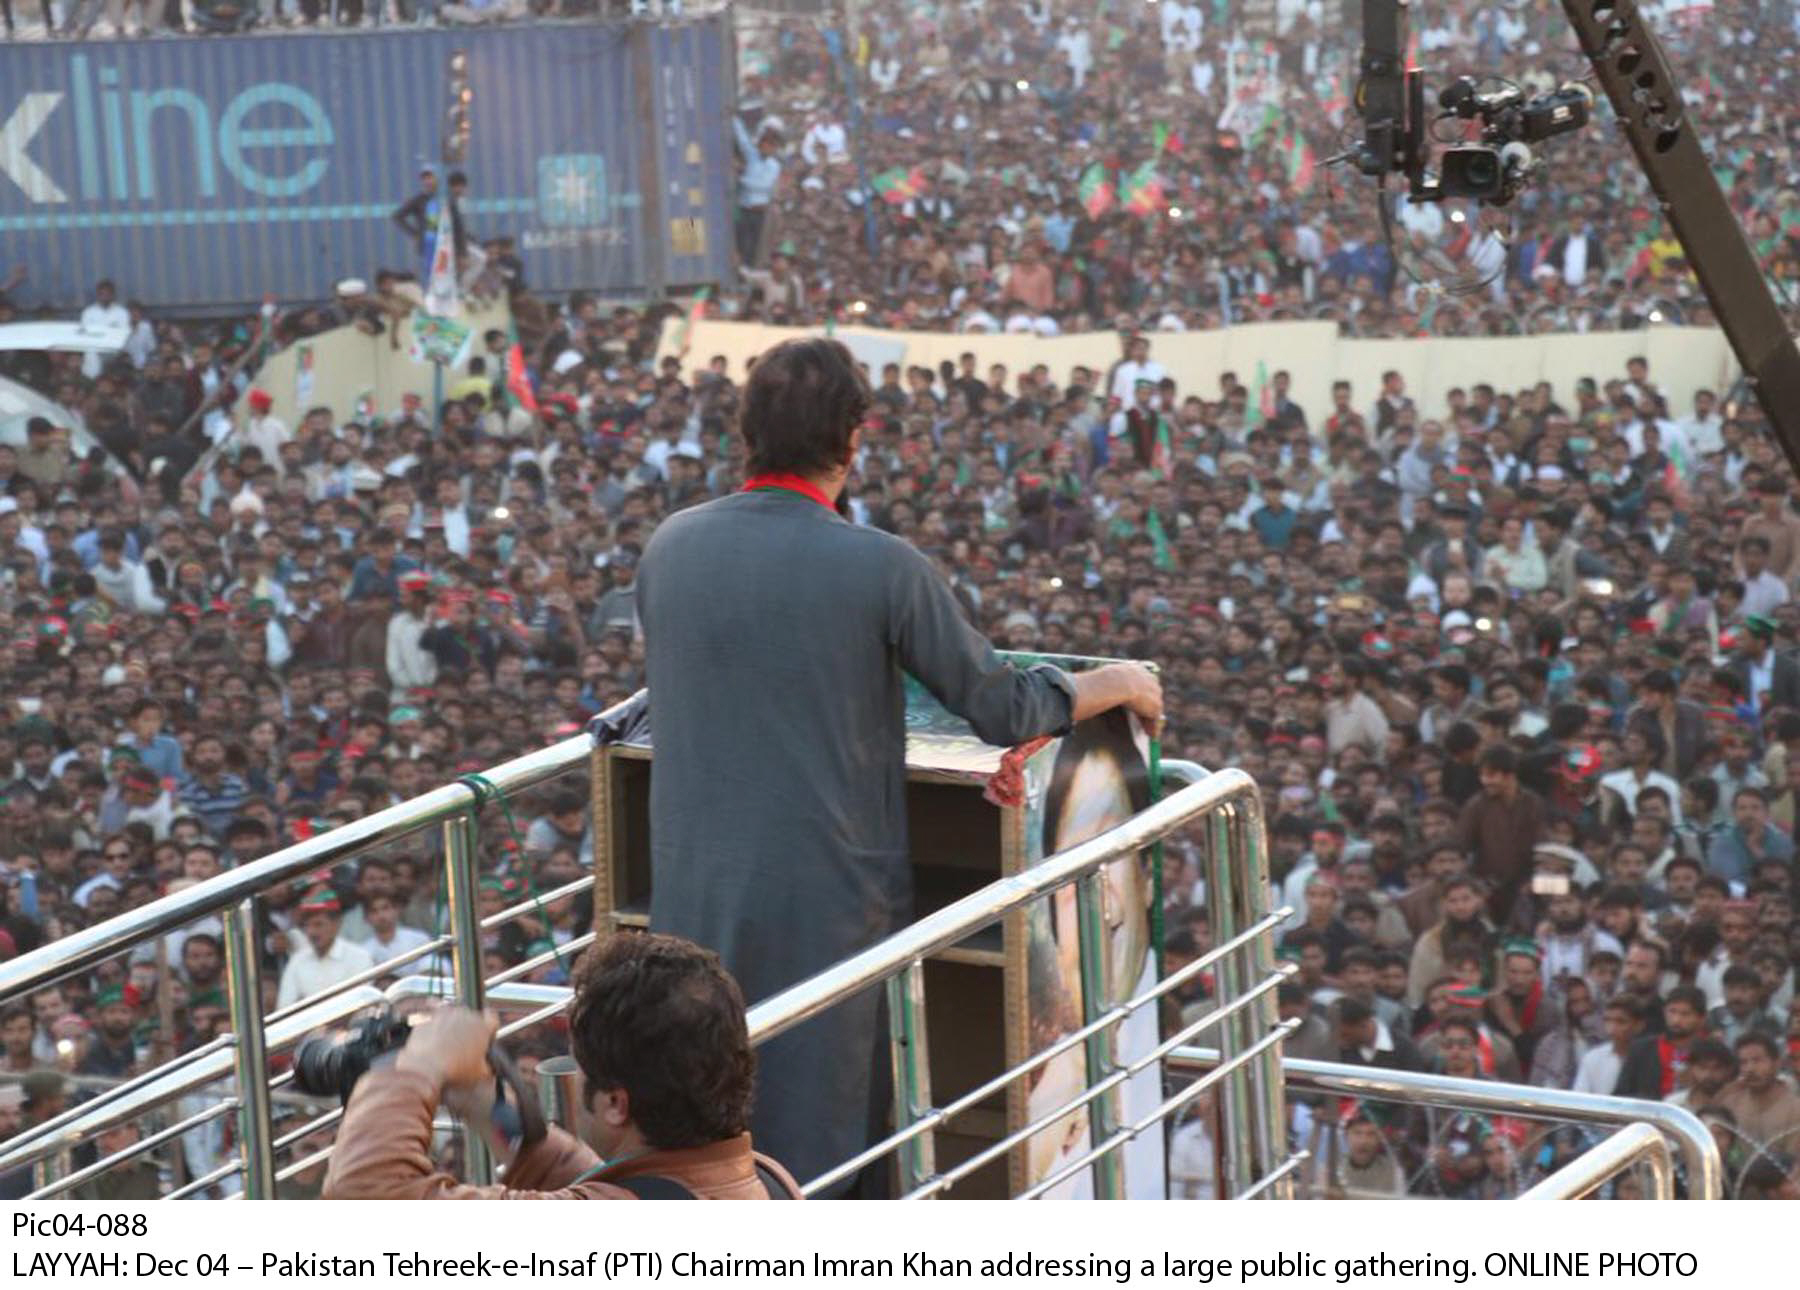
790 483
1529 1009
1671 1063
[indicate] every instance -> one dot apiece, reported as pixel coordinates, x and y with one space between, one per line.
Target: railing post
243 980
1238 1172
1269 1090
1090 922
911 1055
462 851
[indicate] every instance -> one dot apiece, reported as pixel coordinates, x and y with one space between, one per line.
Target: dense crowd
103 19
1051 167
1440 637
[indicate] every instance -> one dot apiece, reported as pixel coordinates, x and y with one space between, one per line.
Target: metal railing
1631 1146
1247 1067
453 807
1246 1019
1248 1063
1700 1160
1246 1023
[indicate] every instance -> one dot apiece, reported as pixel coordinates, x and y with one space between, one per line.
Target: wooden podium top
940 747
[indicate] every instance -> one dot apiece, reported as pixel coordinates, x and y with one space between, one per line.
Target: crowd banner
1682 359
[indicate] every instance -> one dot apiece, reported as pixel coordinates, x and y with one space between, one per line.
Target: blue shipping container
210 173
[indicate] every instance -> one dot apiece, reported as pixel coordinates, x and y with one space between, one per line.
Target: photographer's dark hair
803 399
661 1018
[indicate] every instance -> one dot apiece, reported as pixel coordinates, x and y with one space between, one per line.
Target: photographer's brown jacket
383 1152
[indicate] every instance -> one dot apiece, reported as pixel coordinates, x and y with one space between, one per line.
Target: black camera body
330 1065
1396 132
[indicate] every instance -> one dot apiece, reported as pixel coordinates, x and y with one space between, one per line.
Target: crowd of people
1517 674
104 19
1051 167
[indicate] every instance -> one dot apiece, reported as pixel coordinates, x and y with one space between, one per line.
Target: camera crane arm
1631 67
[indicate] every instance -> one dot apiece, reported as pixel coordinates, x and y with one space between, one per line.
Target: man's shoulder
700 522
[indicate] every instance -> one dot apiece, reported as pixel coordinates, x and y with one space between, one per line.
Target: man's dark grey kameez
776 635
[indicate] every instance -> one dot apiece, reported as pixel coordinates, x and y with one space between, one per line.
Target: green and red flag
1261 407
1097 191
693 315
518 380
1143 190
1267 124
901 184
1162 448
1166 140
1339 102
1299 161
1162 555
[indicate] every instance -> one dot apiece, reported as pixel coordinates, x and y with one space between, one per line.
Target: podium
990 1011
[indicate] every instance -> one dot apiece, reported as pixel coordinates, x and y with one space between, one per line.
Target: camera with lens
1390 96
330 1065
1494 170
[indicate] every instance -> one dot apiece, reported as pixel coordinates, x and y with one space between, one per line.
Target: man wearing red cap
410 666
262 430
326 958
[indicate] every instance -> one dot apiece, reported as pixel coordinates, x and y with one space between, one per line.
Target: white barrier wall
348 365
1682 359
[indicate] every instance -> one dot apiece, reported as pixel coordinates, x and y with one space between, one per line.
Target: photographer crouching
657 1028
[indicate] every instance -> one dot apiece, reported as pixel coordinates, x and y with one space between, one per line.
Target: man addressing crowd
776 636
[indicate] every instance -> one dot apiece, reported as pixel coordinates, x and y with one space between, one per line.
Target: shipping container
207 173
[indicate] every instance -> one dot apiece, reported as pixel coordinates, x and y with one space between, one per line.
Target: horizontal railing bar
1270 1179
573 946
100 1101
520 992
89 947
936 1116
529 1020
524 907
993 1151
1604 1161
365 977
64 1134
310 1127
301 1166
206 1180
1705 1171
958 920
142 1145
1168 1107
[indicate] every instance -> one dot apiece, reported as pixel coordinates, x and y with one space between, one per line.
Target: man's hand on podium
1120 685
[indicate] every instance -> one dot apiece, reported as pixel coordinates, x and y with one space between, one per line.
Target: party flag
900 184
1097 192
1143 190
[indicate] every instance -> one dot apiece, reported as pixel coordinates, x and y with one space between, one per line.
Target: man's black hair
1353 1012
660 1018
801 404
1692 996
1501 758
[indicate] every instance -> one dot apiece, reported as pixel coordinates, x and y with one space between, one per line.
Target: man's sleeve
1006 705
383 1151
1639 1077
